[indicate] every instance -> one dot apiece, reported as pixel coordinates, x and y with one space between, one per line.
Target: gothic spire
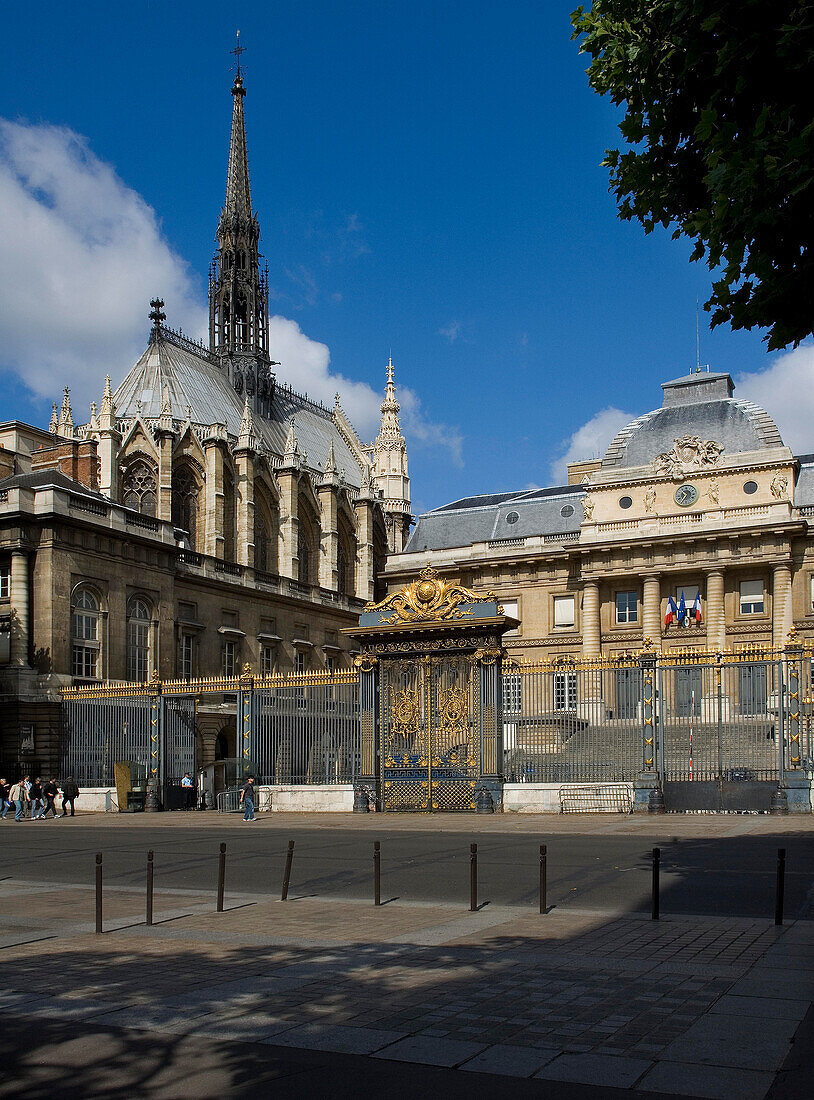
238 193
238 291
66 416
390 429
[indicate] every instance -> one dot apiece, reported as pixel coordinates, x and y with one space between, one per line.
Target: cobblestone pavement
690 1006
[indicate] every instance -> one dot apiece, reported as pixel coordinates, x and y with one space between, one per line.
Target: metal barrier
596 798
229 801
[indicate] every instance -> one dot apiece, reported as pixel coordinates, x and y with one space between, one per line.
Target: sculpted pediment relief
689 453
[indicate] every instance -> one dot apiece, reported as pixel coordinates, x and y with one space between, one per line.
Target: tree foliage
719 132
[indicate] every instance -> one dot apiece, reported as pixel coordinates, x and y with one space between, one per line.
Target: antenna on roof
698 340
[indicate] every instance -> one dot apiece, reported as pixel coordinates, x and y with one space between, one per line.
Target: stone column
329 548
164 487
364 571
716 615
20 606
244 490
288 562
781 604
651 610
213 543
591 638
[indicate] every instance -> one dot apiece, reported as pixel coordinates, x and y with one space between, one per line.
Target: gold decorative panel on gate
429 732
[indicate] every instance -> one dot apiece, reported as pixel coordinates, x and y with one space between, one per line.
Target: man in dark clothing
70 791
247 798
5 801
35 795
49 792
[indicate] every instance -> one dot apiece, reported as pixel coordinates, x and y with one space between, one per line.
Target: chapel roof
179 371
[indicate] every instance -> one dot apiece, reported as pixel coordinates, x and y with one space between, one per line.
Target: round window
567 510
512 517
625 502
750 487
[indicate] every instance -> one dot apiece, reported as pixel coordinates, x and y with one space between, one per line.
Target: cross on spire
237 51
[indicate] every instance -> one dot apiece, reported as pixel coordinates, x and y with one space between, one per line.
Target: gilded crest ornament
429 599
453 711
405 709
689 452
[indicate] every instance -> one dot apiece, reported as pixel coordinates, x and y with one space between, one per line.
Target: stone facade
204 517
699 496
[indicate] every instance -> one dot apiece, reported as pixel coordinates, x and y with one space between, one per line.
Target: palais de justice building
699 496
203 518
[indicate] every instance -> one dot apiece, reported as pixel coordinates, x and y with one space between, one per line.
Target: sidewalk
614 1006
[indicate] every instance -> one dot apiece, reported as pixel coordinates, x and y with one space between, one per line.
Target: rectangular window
138 650
330 664
752 597
564 611
299 661
186 656
510 608
627 607
228 618
565 690
188 611
512 694
85 662
229 658
267 660
5 585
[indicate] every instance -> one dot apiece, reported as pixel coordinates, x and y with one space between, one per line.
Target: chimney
76 459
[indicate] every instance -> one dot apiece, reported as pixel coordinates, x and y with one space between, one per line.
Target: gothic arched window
138 640
139 487
261 542
185 491
303 555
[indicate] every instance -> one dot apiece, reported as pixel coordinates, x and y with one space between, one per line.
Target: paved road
712 874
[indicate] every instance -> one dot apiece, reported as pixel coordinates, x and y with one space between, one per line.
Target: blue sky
428 180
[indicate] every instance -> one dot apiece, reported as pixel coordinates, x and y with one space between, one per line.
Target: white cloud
589 441
786 391
304 365
451 331
87 254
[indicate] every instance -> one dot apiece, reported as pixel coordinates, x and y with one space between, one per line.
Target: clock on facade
685 495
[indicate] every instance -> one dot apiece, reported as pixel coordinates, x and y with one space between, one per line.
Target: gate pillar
647 792
795 767
368 715
245 701
155 778
489 661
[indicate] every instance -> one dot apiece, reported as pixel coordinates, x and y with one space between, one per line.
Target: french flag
695 610
672 611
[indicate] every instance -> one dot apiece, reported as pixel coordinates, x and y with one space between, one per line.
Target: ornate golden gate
430 690
429 734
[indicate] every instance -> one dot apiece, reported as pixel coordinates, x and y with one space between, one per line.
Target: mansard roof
699 405
551 511
183 372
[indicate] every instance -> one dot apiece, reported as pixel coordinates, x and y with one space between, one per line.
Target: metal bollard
780 886
150 887
98 893
473 878
377 872
655 886
543 878
289 859
221 876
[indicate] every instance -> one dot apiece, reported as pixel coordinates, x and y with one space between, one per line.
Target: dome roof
698 405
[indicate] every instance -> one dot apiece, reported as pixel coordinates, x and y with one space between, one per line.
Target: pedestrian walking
189 791
5 799
36 799
247 798
19 796
70 792
49 793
